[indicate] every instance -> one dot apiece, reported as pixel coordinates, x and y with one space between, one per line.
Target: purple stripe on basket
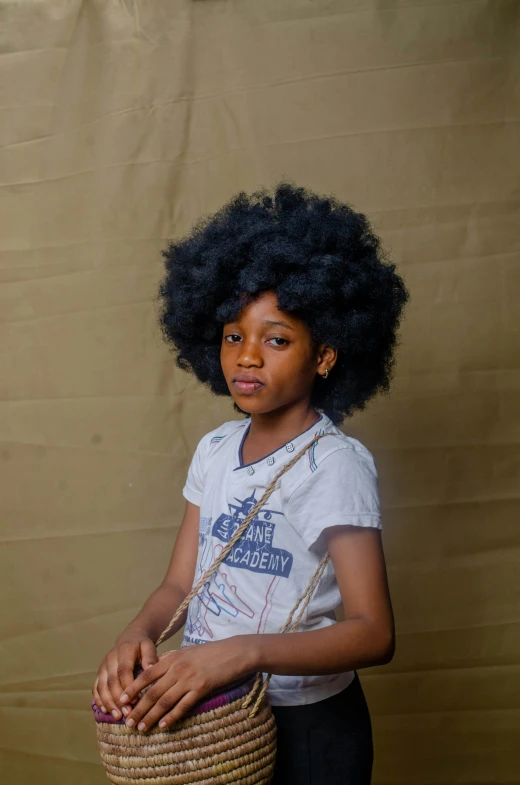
220 700
208 704
100 717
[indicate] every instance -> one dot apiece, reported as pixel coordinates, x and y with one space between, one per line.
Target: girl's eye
278 341
232 338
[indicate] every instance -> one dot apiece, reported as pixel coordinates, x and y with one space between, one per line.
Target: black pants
325 743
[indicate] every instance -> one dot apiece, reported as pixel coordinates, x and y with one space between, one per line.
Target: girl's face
269 358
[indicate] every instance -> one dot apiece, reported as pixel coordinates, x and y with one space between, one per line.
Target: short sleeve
341 491
192 490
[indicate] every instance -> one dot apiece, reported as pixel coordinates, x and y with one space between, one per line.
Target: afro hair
324 263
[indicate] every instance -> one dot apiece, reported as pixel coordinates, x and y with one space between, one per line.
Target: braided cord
259 688
305 599
234 539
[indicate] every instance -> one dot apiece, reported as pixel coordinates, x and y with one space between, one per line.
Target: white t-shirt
254 589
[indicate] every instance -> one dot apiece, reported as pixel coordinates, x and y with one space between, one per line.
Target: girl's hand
116 672
186 676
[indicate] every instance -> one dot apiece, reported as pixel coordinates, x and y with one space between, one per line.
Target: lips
247 385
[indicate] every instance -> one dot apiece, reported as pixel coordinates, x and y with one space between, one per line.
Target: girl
286 303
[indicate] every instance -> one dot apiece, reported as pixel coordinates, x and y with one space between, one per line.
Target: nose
250 355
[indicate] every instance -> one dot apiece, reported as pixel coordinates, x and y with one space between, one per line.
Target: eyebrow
277 324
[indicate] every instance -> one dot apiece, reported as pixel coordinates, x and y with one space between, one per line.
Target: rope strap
305 597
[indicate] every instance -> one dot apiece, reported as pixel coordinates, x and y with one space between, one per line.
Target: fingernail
104 709
126 711
123 698
162 724
116 714
130 723
141 726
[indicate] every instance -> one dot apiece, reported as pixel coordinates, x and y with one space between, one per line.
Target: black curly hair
324 263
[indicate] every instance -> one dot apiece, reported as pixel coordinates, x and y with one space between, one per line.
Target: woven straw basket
229 737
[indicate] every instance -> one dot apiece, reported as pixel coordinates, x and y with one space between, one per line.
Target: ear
327 357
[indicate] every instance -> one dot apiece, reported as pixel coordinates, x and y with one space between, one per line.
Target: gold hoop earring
324 376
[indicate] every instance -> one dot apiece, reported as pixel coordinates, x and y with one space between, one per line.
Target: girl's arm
137 641
366 637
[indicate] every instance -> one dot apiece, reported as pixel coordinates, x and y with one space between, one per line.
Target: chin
248 406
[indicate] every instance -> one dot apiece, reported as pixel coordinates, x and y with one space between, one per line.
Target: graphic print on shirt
254 552
216 597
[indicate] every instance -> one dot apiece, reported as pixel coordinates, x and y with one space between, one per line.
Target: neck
282 425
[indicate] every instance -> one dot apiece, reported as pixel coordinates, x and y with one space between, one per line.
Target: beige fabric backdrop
123 121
